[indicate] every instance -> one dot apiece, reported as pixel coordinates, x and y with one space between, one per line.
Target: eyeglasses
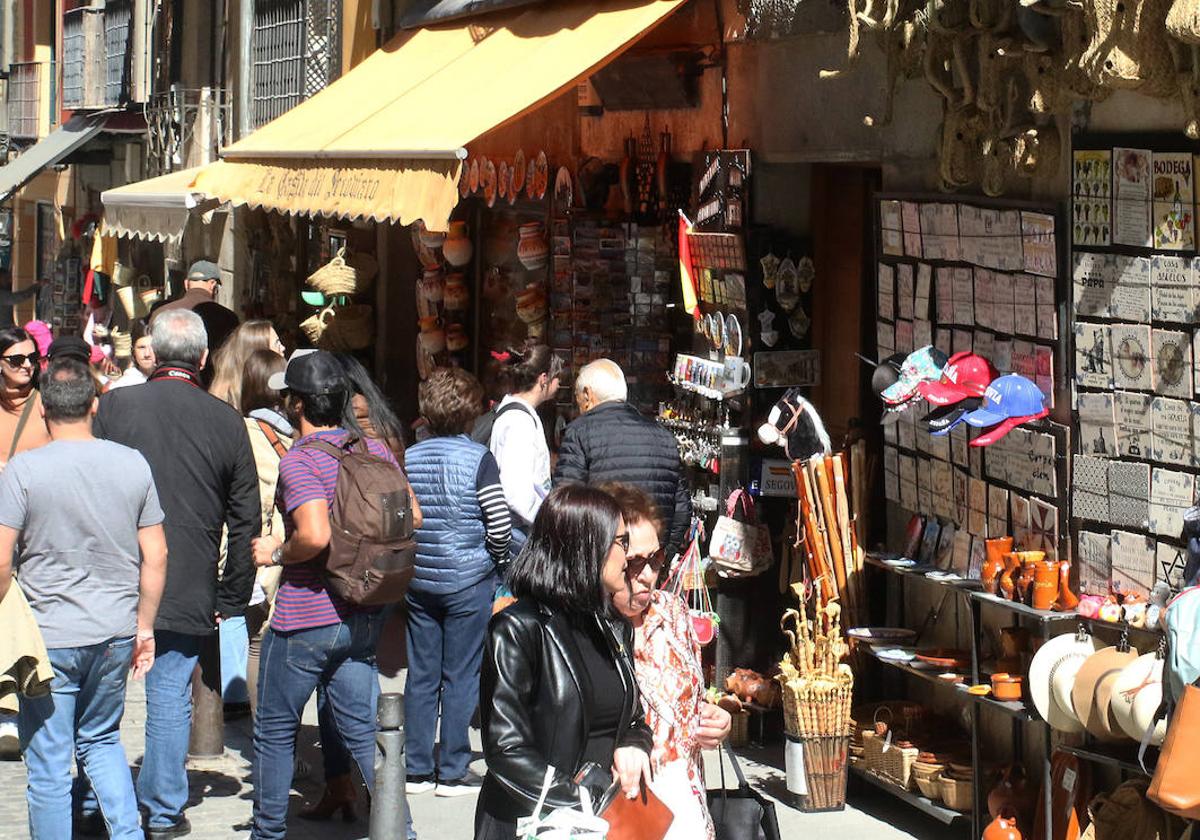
634 566
623 541
19 360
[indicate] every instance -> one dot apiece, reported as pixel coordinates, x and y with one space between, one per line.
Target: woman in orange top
21 423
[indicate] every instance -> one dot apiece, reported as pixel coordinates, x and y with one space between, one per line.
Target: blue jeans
162 784
340 658
235 657
445 649
81 716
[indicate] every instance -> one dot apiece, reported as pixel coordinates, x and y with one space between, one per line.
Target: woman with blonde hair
231 357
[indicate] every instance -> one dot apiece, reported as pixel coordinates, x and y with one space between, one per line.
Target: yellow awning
386 141
154 209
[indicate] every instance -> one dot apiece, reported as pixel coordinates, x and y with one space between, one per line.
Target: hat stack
960 390
1008 402
898 394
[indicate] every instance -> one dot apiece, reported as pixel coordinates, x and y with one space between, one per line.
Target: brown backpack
371 548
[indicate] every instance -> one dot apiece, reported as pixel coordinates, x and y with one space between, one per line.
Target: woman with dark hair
518 440
370 414
558 687
21 424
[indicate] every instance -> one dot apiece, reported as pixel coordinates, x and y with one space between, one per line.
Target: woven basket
930 786
336 277
365 267
894 763
958 794
739 730
1183 21
1127 48
315 325
351 328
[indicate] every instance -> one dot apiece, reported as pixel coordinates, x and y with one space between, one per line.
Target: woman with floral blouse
667 663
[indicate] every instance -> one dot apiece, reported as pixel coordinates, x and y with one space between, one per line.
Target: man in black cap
315 636
199 454
70 347
200 295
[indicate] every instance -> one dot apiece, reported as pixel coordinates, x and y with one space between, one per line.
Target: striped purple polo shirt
306 475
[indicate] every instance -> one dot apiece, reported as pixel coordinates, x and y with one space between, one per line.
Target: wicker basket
351 328
893 763
957 793
929 783
365 268
314 326
336 277
739 730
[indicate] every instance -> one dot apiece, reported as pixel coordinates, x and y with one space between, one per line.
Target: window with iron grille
73 58
118 15
296 52
24 99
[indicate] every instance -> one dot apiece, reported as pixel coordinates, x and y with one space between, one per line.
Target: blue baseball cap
1007 397
923 365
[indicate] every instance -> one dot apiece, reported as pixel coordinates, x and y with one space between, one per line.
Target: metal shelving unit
942 814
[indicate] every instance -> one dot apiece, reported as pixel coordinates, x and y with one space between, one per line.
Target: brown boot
340 795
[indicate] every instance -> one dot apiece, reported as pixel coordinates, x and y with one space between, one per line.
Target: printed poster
1131 196
1174 213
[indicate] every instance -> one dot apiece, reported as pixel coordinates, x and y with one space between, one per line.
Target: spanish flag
687 275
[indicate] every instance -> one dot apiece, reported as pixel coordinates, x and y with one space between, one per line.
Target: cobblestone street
220 795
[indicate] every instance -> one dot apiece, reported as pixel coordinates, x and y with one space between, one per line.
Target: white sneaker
465 786
419 784
10 744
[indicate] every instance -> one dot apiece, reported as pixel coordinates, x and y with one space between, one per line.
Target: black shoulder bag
741 813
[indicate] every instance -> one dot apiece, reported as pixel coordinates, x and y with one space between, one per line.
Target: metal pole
388 805
208 710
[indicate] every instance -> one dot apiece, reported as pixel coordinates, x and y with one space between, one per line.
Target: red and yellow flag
687 276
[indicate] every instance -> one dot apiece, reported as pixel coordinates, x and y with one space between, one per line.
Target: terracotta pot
1024 583
1007 686
1067 600
457 296
1045 585
994 566
458 248
429 322
531 304
1008 585
456 338
432 285
1003 827
532 249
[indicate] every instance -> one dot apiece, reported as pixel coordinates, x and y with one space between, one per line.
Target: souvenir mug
737 374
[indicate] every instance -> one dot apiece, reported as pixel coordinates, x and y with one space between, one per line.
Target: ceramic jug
1045 585
1067 600
1003 827
458 248
1008 584
993 567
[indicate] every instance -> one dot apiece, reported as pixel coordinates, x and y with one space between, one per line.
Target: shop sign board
787 369
776 478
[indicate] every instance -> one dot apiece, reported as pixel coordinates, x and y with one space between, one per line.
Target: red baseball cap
1001 429
966 375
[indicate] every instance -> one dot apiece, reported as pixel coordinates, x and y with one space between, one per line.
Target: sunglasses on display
17 360
634 566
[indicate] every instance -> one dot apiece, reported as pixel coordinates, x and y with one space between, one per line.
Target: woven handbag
336 277
351 328
1127 50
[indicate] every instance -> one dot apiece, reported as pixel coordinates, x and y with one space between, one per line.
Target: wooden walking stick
829 510
843 519
818 566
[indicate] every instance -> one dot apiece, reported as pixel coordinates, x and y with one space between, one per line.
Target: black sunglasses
19 359
634 566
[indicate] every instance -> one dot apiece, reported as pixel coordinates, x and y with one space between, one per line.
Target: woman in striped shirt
461 545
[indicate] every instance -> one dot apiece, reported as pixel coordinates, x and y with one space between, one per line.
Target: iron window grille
296 52
25 99
118 20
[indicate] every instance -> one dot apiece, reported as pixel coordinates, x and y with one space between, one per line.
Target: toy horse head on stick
794 424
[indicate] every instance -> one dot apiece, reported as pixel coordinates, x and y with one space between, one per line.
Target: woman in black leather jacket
558 685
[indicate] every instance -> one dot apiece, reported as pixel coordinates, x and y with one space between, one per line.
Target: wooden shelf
944 815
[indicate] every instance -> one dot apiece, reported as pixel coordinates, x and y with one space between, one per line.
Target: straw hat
1137 694
1093 689
1051 675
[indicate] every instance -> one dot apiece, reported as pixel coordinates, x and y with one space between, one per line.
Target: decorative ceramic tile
1170 496
1134 424
1129 494
1094 277
1172 289
1131 298
1043 527
1172 354
1170 563
978 556
1097 424
1092 507
960 560
1131 357
1171 431
1093 355
1095 568
1090 474
1133 562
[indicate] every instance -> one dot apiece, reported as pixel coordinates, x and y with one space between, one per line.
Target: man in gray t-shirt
83 518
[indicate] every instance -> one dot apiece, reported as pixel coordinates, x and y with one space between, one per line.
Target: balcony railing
96 53
26 104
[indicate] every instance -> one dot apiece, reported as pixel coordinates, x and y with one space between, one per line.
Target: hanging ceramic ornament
787 285
769 337
473 177
464 181
733 335
502 180
770 269
799 322
807 273
518 171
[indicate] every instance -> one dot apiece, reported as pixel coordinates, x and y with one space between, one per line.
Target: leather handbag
740 548
741 813
643 818
1174 787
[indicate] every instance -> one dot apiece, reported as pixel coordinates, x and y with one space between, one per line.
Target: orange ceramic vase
1045 585
1023 583
1008 584
1067 600
1004 827
993 567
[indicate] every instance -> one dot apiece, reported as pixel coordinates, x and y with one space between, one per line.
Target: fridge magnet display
787 369
787 287
1172 355
1173 294
1130 296
885 283
1133 417
889 215
1171 431
1131 357
1174 219
1131 195
806 272
1133 558
1093 356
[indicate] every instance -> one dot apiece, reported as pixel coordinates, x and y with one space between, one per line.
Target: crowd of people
534 595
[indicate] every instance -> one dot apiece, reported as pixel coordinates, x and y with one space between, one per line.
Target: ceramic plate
487 180
518 171
541 176
513 195
564 189
883 635
529 180
733 335
502 179
474 177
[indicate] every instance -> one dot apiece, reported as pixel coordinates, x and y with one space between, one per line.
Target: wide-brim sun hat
1093 689
1137 694
1058 661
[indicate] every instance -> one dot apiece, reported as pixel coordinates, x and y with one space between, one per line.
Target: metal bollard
207 739
388 804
